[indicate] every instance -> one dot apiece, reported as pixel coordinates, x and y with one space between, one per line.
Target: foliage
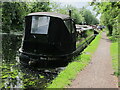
16 75
80 16
110 16
13 14
13 76
76 15
90 19
65 77
40 7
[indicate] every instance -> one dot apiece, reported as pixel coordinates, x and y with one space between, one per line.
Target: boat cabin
48 33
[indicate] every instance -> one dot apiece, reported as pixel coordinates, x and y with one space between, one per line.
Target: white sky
77 3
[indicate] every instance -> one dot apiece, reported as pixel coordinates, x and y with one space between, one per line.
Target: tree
13 14
90 19
76 15
80 16
40 7
110 15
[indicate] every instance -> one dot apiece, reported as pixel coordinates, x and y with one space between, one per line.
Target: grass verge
114 50
114 54
66 76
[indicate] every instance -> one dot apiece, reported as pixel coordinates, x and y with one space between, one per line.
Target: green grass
83 41
114 54
66 76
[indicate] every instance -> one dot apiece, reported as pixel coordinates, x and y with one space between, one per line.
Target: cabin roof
52 14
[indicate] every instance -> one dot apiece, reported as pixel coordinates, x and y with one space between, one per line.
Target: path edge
66 76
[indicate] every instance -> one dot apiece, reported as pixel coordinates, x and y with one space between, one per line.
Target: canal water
16 75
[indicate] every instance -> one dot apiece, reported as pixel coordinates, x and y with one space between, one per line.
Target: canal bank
16 75
66 76
99 73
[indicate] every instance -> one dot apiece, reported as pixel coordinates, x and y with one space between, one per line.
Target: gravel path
99 73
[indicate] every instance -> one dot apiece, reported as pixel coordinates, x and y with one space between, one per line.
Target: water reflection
15 75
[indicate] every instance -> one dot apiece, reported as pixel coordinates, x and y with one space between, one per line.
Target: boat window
70 25
40 24
73 27
67 23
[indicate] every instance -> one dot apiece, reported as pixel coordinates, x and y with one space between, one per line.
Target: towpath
99 73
